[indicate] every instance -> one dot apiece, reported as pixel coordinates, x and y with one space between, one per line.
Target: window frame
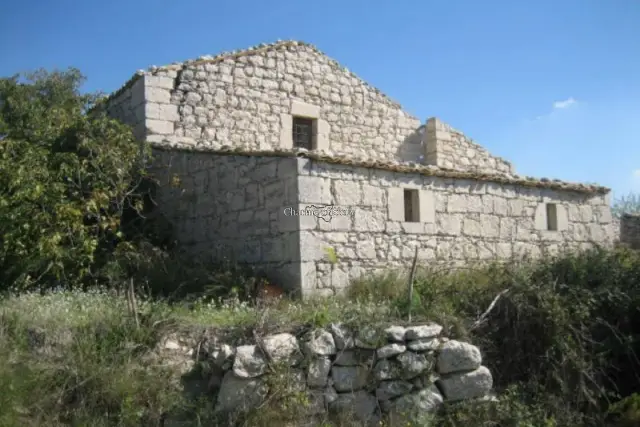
551 214
298 122
411 198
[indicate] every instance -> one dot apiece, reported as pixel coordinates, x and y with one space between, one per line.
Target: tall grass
567 331
562 343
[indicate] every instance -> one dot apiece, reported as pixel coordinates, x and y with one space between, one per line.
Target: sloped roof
263 47
425 170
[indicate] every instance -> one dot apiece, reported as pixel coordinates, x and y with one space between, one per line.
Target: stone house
279 157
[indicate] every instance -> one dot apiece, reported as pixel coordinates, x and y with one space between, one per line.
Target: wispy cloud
556 106
564 104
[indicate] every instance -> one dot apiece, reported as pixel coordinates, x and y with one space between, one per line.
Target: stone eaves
425 170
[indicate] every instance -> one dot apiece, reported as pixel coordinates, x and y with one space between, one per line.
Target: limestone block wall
448 148
248 99
630 230
232 207
394 373
460 222
128 106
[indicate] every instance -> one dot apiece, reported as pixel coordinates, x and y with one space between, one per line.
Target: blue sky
552 85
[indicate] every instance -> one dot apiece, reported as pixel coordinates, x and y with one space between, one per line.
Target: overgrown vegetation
76 199
566 332
562 344
562 338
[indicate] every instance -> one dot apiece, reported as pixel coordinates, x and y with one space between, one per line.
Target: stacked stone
129 107
403 373
451 149
239 101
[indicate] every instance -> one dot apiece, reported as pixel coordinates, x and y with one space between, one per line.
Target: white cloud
564 104
557 106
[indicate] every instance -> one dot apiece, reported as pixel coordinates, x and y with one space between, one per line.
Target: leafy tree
626 204
66 178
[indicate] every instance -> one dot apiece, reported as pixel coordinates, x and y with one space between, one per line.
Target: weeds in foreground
562 344
569 327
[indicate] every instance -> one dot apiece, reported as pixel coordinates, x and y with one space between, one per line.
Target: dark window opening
552 217
303 133
411 206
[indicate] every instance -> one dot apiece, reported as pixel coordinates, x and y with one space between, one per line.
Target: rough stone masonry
399 373
372 185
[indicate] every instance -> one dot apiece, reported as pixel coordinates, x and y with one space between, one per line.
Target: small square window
411 206
552 217
303 129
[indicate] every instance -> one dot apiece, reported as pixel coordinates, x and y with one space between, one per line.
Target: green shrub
66 178
568 325
74 200
561 344
174 274
516 407
95 377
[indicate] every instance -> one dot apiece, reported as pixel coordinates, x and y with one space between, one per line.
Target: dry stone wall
399 373
630 230
461 222
128 106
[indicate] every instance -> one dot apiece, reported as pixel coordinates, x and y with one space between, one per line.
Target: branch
484 315
258 339
411 278
131 302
